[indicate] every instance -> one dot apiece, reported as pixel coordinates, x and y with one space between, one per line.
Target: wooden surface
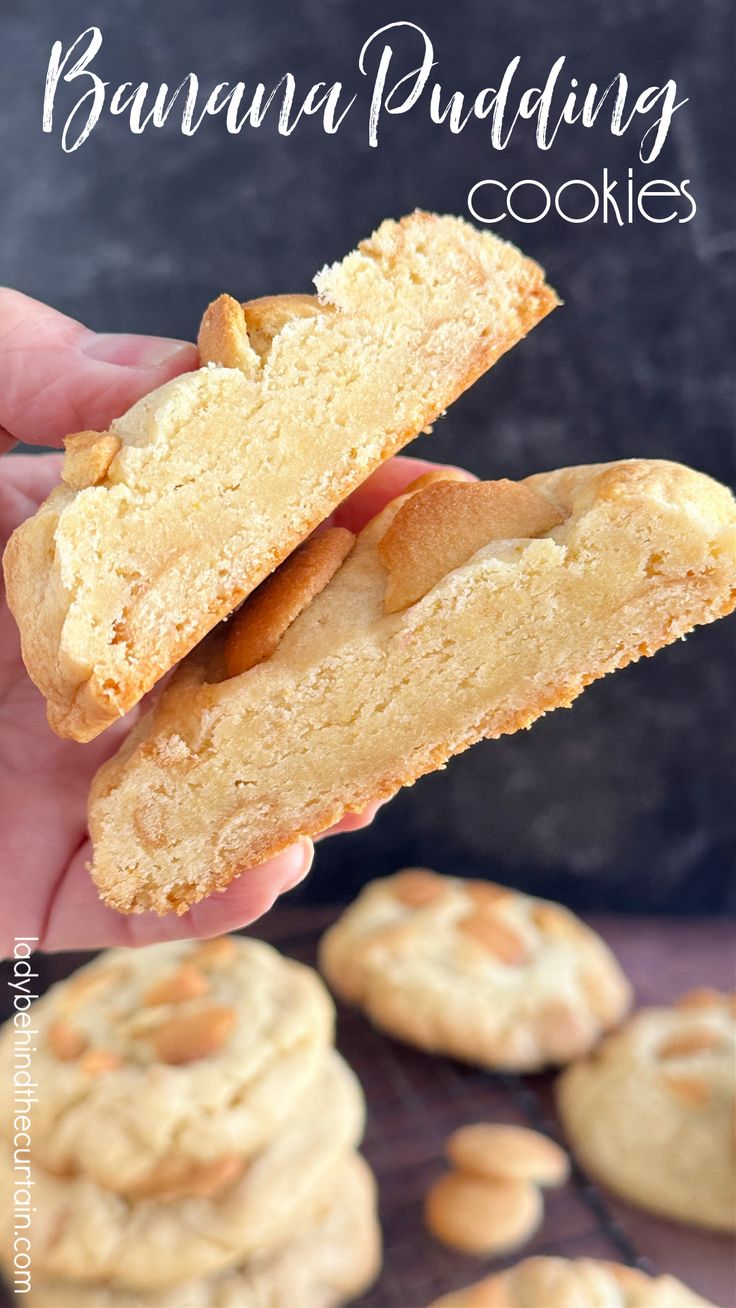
414 1101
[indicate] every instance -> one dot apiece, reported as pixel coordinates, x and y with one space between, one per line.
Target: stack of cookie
194 1138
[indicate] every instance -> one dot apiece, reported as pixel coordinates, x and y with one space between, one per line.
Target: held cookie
84 1233
164 1069
573 1283
334 1258
474 970
549 584
651 1114
162 525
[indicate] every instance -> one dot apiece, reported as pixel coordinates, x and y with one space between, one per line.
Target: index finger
388 481
57 376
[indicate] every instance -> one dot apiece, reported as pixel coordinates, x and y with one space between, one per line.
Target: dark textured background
627 802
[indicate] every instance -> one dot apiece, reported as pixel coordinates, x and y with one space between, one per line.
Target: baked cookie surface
164 523
332 1259
84 1233
164 1069
573 1283
474 970
651 1114
550 583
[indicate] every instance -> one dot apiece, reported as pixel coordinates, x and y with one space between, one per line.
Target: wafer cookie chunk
166 1069
651 1115
498 1151
573 1283
481 1216
164 523
548 586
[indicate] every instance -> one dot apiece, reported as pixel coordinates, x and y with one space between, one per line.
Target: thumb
57 376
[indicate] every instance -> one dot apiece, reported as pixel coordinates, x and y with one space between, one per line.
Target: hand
57 377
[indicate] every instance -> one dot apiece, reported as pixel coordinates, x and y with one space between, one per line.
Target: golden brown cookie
573 1283
651 1114
475 970
354 702
164 524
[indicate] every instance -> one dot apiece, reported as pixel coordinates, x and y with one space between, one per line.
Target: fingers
58 377
353 821
388 481
77 918
25 481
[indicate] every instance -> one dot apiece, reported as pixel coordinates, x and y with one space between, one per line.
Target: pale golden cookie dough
509 1153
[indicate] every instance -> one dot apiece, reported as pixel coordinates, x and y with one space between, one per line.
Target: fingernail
137 351
304 862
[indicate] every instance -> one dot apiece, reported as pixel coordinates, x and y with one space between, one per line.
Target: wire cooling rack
415 1101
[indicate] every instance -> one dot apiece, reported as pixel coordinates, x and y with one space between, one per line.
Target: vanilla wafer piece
477 1215
504 1152
257 628
444 524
